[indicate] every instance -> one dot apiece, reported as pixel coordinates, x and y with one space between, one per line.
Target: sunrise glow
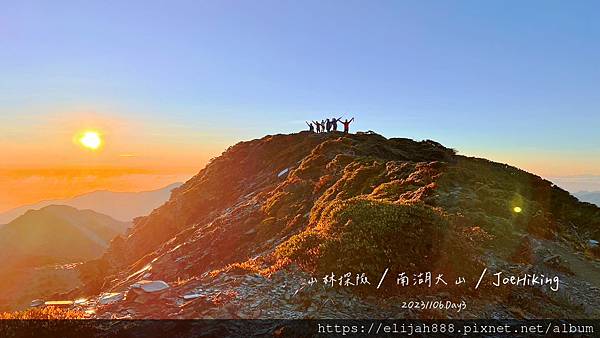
91 140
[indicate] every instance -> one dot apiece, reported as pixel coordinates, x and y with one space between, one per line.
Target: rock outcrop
253 234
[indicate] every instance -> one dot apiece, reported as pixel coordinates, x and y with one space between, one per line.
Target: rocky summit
352 226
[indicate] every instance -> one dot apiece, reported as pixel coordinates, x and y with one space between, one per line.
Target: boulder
36 303
151 286
283 173
110 298
191 296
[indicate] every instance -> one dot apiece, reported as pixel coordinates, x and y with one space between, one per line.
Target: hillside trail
583 268
579 275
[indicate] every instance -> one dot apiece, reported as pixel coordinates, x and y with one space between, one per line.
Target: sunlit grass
49 312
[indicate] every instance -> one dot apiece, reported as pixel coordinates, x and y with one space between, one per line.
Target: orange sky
29 186
42 160
171 86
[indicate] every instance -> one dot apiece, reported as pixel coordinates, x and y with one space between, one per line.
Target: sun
91 140
517 209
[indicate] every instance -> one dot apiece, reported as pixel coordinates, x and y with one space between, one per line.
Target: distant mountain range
589 196
39 248
123 206
57 234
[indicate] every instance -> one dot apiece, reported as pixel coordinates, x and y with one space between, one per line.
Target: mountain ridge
243 236
39 249
33 228
589 196
123 206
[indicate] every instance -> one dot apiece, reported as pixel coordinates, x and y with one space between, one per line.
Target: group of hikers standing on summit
329 125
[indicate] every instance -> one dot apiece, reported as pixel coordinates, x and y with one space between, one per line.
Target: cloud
27 186
577 183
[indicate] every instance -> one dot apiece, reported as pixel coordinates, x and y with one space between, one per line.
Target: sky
171 84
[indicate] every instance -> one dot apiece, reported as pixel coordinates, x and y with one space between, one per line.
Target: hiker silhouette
328 125
311 128
318 126
334 123
347 125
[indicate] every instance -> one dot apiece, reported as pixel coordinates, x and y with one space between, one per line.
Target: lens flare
517 209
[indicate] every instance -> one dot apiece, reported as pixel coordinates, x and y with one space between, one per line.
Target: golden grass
49 312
